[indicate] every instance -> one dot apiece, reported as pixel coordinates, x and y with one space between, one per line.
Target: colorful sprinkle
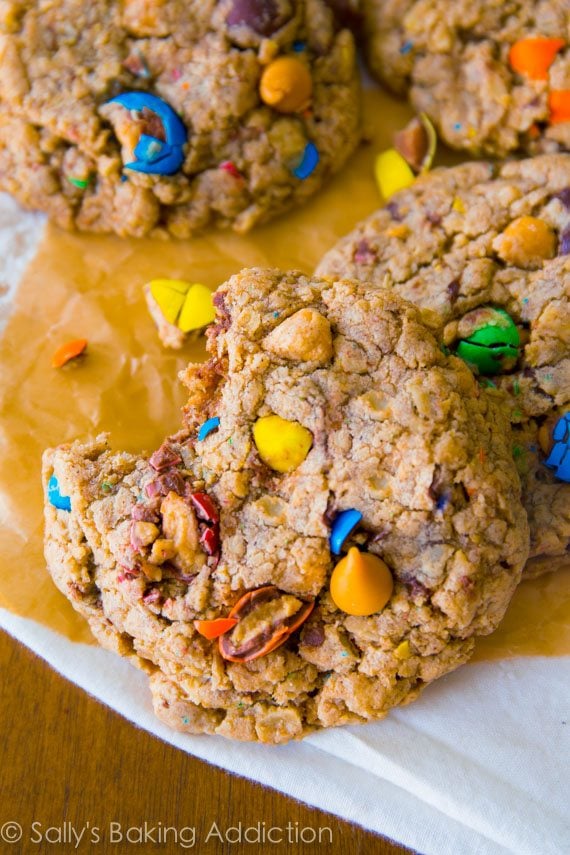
207 428
62 503
298 46
406 48
309 162
344 524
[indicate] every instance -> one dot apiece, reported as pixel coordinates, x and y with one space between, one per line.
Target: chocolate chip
564 197
453 291
394 212
314 636
262 16
364 254
564 247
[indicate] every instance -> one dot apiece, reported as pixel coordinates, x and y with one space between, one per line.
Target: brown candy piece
266 619
262 16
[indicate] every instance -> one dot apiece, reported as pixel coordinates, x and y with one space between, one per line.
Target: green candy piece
492 343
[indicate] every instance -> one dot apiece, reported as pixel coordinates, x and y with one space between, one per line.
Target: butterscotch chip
526 242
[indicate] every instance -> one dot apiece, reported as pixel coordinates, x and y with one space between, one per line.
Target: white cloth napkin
478 766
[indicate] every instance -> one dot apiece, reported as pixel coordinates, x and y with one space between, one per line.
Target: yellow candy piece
403 650
392 173
361 583
286 85
169 294
282 444
198 310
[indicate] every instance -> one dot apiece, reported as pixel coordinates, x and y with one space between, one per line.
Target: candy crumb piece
559 105
458 205
403 650
68 351
214 628
207 428
308 163
533 57
81 183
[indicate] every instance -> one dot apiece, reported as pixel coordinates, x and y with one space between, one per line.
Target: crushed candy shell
156 156
266 618
392 172
281 444
559 457
344 524
214 628
361 583
68 351
559 106
207 428
309 162
198 309
417 143
170 295
533 57
286 85
62 503
491 345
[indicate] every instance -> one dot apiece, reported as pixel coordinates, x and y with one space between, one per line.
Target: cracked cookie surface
455 62
375 417
64 148
474 236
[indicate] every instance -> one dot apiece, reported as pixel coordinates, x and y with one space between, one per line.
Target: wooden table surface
67 760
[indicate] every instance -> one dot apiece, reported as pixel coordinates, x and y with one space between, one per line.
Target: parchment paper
91 287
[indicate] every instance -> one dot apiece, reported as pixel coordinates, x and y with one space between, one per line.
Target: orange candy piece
361 583
214 628
286 85
67 351
533 57
559 104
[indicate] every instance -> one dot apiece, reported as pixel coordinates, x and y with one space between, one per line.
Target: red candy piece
205 508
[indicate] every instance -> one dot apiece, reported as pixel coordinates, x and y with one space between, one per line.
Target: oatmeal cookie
485 250
493 76
141 117
337 520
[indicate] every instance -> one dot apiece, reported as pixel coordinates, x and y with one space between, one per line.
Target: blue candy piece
559 457
342 527
208 427
308 163
62 503
154 156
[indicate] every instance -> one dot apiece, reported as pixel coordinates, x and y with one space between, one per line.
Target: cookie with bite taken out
335 523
